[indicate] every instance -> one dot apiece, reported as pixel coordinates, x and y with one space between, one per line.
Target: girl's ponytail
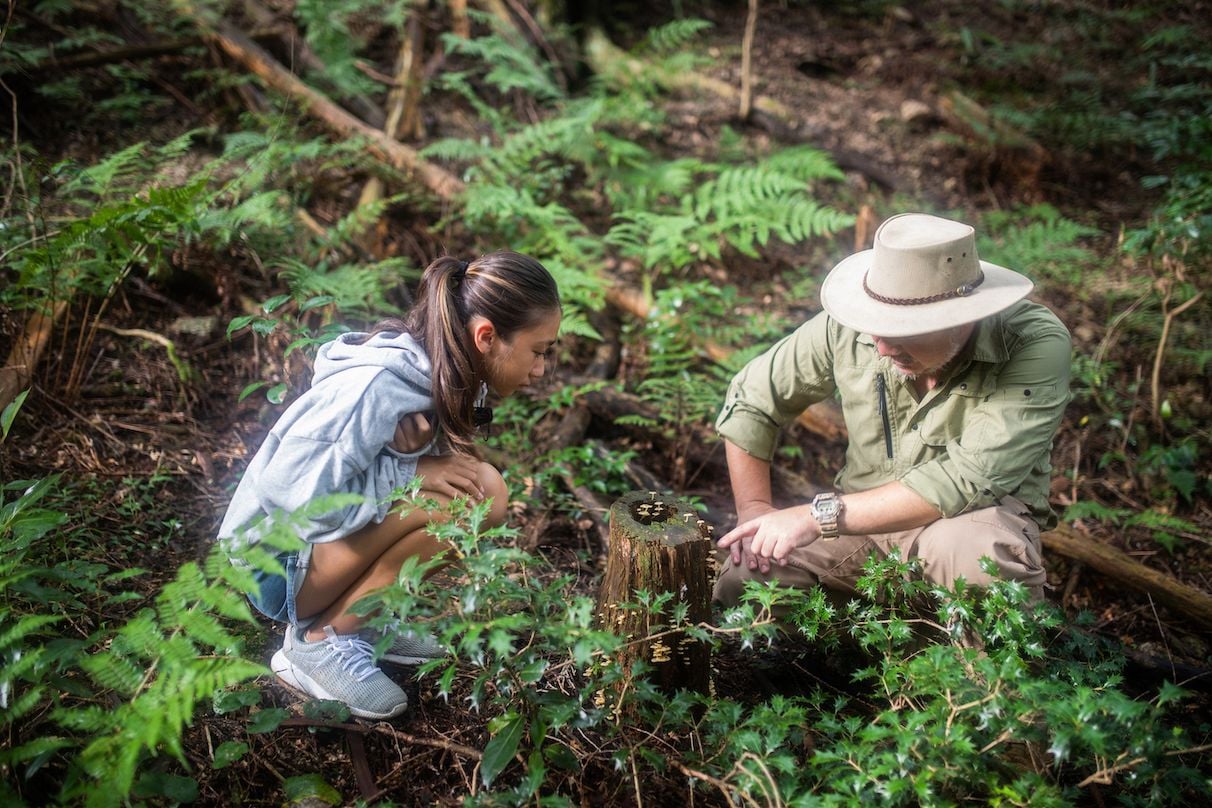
512 291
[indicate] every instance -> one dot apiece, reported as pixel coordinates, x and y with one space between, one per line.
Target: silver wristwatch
826 508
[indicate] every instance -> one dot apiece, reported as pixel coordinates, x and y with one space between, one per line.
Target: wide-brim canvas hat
922 275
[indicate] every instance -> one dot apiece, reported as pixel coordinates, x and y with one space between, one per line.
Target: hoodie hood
399 353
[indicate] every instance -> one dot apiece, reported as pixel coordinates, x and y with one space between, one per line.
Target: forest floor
867 89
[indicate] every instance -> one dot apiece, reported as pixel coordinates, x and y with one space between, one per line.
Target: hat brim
846 301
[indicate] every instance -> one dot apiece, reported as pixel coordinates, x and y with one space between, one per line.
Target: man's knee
494 487
953 548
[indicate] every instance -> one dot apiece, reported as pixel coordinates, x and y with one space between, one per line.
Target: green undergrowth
946 697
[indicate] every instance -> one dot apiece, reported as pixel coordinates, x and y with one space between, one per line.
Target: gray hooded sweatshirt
335 439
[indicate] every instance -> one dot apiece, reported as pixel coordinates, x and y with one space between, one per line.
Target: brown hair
512 291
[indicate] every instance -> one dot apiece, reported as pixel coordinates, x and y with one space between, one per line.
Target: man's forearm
886 509
750 478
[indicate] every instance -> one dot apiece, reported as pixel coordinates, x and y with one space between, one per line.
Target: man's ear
483 335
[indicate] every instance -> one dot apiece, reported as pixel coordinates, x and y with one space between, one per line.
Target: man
952 387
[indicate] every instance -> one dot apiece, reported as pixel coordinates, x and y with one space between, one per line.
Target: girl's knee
494 487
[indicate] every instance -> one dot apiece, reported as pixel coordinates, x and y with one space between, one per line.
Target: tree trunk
659 545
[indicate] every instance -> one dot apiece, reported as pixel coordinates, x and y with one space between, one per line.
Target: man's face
924 354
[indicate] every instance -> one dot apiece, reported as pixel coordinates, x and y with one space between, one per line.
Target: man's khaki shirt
983 433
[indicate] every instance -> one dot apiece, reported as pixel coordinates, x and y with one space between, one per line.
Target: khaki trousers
948 549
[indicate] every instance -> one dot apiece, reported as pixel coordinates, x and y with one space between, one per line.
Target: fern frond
112 671
520 150
141 635
100 178
26 625
456 150
178 595
91 718
354 287
645 185
513 65
674 35
742 188
804 163
264 210
203 630
43 745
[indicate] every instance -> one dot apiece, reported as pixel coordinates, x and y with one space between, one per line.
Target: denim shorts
275 595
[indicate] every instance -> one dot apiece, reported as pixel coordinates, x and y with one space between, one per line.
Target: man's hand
770 535
451 475
413 433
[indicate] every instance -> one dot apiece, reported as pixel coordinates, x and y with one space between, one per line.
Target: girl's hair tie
460 272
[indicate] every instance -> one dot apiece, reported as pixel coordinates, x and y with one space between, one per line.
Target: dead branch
1155 378
747 61
27 350
1121 567
594 509
240 48
460 23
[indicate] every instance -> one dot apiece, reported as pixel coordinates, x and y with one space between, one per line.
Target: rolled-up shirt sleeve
1008 435
776 386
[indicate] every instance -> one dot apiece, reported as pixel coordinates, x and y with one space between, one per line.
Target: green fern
104 706
1038 241
674 35
455 149
511 65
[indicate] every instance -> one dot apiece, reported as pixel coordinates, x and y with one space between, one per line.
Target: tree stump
658 544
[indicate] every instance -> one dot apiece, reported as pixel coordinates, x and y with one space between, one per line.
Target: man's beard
958 340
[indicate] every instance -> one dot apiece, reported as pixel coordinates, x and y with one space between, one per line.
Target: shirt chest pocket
945 420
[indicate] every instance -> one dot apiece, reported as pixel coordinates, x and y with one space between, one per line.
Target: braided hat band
959 291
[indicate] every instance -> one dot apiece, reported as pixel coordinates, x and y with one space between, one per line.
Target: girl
383 407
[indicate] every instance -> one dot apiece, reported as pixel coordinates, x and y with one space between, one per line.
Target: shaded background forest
196 195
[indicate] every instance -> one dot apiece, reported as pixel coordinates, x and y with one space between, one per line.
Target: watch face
826 507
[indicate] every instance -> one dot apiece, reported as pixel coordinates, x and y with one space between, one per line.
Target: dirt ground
867 88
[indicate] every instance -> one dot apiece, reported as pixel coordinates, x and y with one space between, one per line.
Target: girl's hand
452 475
413 433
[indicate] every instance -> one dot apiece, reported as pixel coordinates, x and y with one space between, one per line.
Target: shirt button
963 387
1026 392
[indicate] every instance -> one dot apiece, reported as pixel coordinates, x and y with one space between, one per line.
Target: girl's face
521 360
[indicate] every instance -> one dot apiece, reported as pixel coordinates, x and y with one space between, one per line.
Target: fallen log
239 47
1118 565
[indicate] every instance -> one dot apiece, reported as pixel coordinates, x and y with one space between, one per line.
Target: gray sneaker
408 646
340 667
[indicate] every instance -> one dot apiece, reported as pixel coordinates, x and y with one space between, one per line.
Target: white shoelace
354 655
